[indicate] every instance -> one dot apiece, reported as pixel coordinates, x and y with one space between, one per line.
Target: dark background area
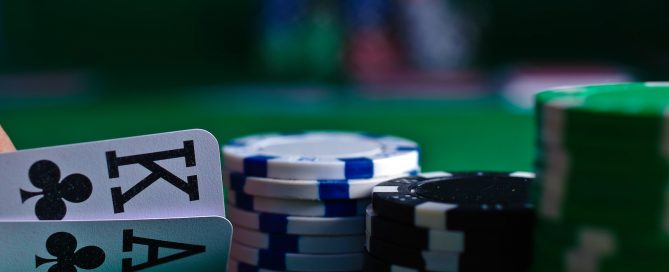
75 70
204 40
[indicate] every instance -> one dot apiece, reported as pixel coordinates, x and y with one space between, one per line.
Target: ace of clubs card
176 244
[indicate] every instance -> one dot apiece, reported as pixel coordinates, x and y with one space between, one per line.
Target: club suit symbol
63 246
45 175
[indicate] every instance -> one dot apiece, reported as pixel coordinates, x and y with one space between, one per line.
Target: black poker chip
458 201
517 242
373 264
444 260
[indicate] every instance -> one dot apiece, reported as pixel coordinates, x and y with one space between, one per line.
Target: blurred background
458 76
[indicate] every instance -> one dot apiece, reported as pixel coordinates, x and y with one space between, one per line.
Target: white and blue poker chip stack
298 200
458 221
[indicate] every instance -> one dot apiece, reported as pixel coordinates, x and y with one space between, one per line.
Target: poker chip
298 200
411 236
282 261
456 201
321 155
471 241
236 266
564 246
322 189
443 260
602 178
451 221
299 243
299 207
299 225
429 260
374 264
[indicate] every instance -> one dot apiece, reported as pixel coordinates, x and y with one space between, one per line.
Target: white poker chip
268 259
299 207
321 155
328 189
300 225
299 243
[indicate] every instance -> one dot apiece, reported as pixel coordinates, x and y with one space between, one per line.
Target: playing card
175 174
176 244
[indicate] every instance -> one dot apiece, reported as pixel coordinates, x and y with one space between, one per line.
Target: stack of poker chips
603 179
461 221
297 201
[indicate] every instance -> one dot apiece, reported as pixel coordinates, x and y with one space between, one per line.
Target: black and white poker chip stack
463 221
297 201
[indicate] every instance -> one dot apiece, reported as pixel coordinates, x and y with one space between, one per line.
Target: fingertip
6 144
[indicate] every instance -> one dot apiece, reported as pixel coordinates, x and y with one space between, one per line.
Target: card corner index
205 141
212 249
190 144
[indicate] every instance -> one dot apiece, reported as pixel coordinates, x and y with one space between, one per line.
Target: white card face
175 174
178 244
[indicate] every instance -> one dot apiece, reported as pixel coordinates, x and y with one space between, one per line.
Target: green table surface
479 134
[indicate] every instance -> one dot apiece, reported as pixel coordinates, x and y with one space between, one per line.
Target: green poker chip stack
602 166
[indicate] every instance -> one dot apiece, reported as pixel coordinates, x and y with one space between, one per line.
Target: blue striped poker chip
321 189
282 261
321 155
309 244
299 207
300 225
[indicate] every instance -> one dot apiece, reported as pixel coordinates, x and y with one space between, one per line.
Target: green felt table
472 135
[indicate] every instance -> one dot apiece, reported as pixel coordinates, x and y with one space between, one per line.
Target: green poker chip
606 167
602 190
638 99
618 116
563 247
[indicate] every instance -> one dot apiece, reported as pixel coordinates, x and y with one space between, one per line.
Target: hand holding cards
120 204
